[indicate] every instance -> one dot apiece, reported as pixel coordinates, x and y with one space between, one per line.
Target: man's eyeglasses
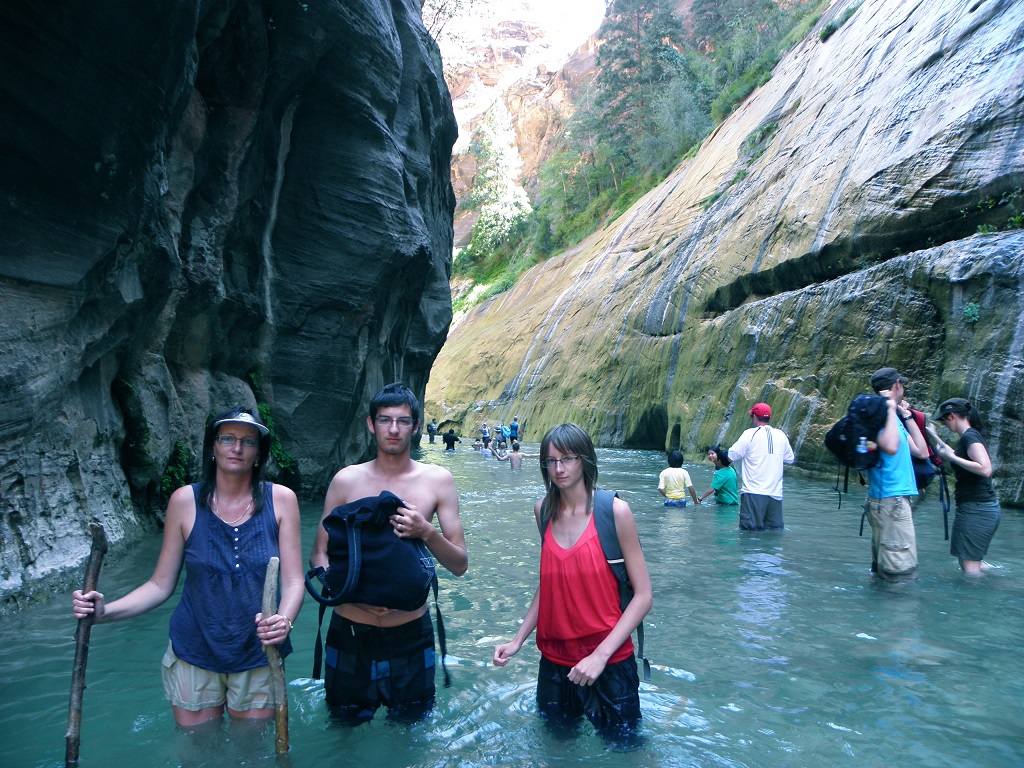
229 440
565 461
403 422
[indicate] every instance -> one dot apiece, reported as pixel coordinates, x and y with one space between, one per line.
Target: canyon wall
206 203
861 209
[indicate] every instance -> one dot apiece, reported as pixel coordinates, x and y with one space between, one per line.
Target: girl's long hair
210 465
570 440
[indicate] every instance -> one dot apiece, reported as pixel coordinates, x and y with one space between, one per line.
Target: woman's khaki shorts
193 688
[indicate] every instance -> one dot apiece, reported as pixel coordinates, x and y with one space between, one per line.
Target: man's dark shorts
612 703
760 513
366 666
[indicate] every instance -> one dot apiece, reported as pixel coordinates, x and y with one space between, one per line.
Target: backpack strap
604 520
442 639
318 647
353 532
846 482
944 499
353 529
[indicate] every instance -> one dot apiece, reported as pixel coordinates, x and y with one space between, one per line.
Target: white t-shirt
763 450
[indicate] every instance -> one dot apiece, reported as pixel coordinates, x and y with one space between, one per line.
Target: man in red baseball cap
763 449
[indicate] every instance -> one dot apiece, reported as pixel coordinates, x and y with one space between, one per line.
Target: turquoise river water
774 649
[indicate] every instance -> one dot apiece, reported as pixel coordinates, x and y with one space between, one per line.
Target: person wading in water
224 530
587 662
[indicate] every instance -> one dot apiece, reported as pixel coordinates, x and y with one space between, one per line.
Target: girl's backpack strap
604 521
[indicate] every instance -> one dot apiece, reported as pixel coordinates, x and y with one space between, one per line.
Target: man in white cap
763 449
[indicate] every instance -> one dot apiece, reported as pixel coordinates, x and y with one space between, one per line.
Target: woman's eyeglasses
565 461
228 441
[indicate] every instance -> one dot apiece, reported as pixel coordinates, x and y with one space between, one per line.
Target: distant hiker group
762 450
898 451
501 434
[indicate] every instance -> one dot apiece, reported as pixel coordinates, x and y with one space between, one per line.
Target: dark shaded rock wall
204 203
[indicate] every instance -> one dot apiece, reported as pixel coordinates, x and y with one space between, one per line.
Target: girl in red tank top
587 664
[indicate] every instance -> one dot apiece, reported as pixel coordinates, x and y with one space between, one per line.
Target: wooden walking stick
274 659
92 576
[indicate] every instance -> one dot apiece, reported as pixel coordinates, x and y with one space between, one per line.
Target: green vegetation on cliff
176 473
284 468
662 84
495 255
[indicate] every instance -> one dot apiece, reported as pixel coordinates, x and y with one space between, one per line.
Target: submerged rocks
826 229
203 205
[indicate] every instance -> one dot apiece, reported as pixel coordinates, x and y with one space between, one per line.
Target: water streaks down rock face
826 229
205 204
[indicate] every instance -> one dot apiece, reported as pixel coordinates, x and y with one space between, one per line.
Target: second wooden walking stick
274 659
92 577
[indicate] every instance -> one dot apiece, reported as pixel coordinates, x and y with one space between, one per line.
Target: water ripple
768 650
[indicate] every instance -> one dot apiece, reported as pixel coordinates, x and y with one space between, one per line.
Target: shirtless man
377 655
514 457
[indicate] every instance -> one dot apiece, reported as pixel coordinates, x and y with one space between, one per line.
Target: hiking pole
92 576
944 500
274 659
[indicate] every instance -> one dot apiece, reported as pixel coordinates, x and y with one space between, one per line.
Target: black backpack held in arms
852 439
369 563
604 521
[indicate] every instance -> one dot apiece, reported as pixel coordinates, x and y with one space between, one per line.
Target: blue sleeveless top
214 625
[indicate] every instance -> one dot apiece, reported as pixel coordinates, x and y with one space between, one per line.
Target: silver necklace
237 519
